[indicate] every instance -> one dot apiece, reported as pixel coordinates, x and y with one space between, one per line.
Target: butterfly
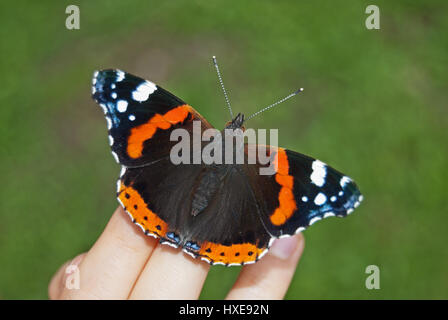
225 214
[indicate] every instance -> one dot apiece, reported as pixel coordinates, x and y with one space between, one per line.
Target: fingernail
285 247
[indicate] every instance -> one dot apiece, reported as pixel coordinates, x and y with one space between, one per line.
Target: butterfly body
225 213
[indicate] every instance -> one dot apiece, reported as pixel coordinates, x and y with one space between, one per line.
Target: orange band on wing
287 203
136 206
235 253
147 130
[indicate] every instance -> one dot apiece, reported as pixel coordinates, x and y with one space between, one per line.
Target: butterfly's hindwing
159 199
305 190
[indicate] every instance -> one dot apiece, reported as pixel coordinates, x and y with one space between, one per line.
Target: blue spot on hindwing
192 246
173 237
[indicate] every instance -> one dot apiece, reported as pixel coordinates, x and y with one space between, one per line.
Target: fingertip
271 276
285 248
170 274
56 285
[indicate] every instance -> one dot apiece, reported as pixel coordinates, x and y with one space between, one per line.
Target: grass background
374 107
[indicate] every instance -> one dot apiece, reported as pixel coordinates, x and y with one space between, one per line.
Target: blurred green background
374 107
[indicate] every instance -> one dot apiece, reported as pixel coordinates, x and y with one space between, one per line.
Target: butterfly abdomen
208 185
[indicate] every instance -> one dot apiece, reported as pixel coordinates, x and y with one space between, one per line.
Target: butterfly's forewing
140 116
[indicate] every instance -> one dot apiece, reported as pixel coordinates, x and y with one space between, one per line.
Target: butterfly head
236 123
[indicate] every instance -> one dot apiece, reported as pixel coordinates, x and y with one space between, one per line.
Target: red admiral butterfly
224 214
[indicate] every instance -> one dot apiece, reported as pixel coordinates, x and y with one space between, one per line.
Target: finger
58 281
113 264
170 274
270 277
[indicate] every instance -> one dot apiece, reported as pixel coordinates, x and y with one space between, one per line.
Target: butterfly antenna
276 103
222 86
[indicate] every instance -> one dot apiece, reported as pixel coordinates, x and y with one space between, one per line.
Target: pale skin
126 264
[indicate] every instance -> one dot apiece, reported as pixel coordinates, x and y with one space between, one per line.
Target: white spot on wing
152 235
122 105
170 244
103 106
333 198
95 75
120 75
235 264
132 117
329 214
111 140
115 157
320 199
142 92
121 203
109 123
344 181
189 253
118 190
113 95
304 199
262 253
141 227
123 171
299 229
319 173
314 220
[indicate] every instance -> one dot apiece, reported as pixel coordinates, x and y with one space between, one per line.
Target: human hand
126 264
